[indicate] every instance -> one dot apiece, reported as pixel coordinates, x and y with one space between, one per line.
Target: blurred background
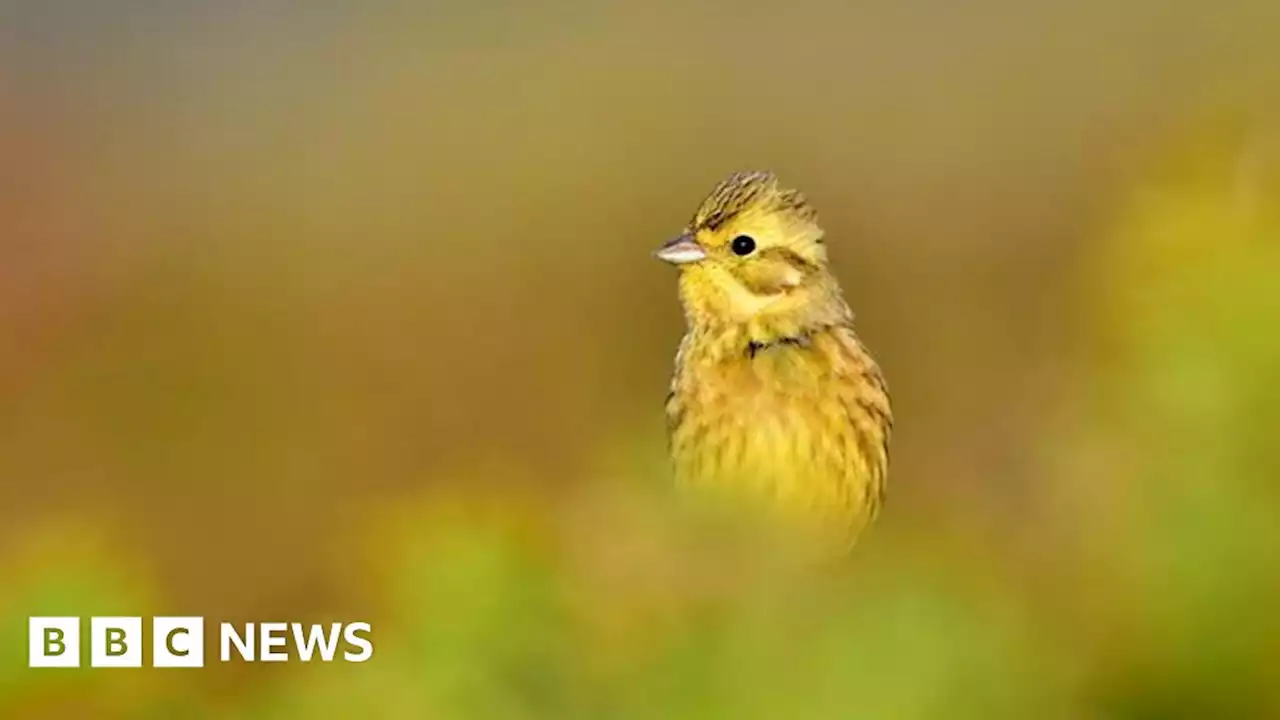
334 312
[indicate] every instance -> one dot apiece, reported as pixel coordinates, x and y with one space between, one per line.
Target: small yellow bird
774 399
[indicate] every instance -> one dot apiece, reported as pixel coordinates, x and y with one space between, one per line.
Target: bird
774 399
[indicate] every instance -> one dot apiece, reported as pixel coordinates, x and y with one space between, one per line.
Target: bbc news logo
178 642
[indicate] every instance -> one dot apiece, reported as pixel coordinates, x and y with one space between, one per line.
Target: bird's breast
775 426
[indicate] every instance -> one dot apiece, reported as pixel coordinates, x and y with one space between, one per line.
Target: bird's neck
795 328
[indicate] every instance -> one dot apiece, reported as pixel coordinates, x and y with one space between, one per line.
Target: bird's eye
743 245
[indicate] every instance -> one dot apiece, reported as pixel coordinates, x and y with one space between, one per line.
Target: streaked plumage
774 398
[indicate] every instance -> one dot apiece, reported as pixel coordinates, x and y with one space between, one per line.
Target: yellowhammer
774 398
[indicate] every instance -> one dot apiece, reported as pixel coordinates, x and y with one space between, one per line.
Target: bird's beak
681 250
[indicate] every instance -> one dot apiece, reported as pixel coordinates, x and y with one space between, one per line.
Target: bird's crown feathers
750 190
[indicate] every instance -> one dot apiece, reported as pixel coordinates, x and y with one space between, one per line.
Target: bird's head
753 256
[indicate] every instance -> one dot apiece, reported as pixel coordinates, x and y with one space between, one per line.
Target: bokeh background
326 311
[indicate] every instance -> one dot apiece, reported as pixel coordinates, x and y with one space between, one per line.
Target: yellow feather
774 399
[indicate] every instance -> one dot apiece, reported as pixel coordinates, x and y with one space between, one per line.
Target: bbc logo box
115 642
53 642
178 642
